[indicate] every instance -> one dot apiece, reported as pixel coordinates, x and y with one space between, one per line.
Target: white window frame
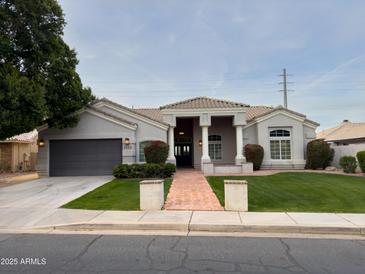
215 144
280 139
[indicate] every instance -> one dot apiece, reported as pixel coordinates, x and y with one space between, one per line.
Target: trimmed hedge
319 154
348 163
254 154
156 152
361 159
144 170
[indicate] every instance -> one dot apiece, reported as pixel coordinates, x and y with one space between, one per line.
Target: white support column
205 152
239 146
171 158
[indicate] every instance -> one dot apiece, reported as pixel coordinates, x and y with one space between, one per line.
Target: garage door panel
84 157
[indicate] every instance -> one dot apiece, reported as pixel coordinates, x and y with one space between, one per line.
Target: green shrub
144 170
153 170
156 152
361 159
136 171
168 170
319 154
348 163
254 154
121 171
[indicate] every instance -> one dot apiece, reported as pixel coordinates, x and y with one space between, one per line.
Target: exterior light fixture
200 143
181 133
126 141
41 143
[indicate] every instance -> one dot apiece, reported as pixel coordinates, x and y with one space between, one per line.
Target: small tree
319 154
361 159
254 154
156 152
348 163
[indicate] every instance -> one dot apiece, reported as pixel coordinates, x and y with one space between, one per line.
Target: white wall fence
349 150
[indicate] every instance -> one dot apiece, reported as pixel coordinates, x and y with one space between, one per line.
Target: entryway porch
214 148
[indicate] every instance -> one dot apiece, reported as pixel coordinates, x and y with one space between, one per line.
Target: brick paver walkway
191 191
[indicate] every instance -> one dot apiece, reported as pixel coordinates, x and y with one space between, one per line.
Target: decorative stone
151 194
235 195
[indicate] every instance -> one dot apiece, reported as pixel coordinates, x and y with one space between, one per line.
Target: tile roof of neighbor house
24 137
203 102
345 131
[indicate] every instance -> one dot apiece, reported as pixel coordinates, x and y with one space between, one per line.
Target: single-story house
345 133
346 139
18 153
202 132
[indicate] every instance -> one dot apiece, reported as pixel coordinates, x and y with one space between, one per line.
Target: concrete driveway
25 204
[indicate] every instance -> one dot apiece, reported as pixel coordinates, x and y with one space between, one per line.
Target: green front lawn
119 194
300 192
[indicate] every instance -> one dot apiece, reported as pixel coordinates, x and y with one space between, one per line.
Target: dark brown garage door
84 157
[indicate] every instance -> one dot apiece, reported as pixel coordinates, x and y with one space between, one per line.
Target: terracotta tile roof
153 113
24 137
345 131
254 111
203 102
271 110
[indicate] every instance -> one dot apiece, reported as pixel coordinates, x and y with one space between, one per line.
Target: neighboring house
202 132
18 153
346 139
345 133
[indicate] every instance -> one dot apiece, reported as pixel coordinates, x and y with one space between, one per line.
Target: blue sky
146 53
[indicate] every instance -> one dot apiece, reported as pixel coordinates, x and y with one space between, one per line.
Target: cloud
148 53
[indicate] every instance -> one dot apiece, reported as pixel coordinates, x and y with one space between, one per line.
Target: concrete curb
125 226
358 231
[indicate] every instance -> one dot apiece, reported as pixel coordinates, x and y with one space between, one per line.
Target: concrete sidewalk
200 221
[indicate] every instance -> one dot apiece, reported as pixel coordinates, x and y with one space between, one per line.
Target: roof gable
140 115
280 109
203 103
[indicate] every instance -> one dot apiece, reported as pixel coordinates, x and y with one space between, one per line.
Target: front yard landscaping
300 192
119 194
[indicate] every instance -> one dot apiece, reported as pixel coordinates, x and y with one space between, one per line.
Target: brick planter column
151 194
235 195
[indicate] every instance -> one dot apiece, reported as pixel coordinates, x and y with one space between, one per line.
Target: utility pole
285 89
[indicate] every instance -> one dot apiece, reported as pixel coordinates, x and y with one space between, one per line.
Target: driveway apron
24 204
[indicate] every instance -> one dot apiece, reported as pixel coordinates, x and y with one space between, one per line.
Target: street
37 253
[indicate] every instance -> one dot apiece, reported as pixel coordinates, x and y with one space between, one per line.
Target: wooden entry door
183 155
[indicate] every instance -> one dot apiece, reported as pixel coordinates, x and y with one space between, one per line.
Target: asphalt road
171 254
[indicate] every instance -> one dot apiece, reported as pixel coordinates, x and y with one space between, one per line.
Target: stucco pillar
205 145
239 146
171 158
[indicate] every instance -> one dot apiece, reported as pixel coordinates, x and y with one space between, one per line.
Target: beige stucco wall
144 132
89 127
300 136
220 126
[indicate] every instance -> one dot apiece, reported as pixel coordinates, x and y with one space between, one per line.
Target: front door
183 155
